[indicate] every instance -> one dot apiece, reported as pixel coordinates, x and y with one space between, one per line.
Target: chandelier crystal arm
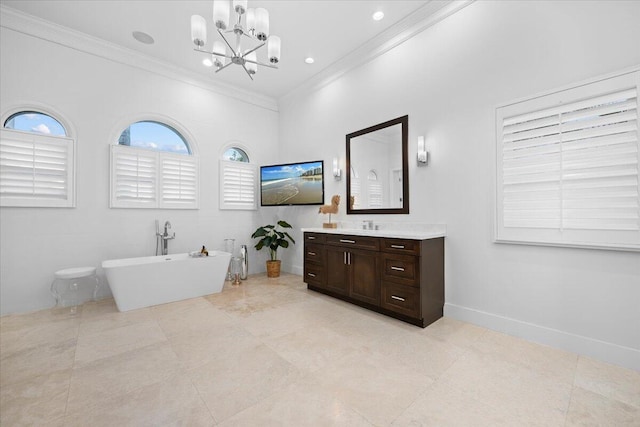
262 64
253 50
224 66
233 51
248 73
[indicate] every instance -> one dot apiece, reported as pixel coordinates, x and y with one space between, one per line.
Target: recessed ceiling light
207 62
143 37
378 15
309 60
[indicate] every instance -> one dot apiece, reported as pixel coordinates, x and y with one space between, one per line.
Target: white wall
449 80
99 97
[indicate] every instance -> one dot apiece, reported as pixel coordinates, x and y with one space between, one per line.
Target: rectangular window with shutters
567 167
238 185
150 179
36 170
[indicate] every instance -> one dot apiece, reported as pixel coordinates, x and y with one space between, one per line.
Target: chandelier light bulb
240 6
221 14
251 20
378 15
221 49
262 24
207 62
198 30
273 49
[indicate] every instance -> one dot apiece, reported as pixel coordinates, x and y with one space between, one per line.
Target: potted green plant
272 238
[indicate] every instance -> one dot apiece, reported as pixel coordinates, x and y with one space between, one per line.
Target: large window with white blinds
153 167
567 167
36 162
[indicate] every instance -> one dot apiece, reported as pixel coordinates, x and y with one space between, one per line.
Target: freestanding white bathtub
146 281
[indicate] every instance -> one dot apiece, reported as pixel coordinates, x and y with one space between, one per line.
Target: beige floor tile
555 363
117 341
36 401
301 404
233 383
194 349
36 361
592 409
311 349
26 334
444 406
608 380
535 398
194 320
454 331
374 385
100 322
173 402
271 352
424 354
120 374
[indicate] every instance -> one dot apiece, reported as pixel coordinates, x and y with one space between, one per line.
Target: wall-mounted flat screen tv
292 184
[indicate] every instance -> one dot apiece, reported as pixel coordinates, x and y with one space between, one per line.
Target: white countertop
415 233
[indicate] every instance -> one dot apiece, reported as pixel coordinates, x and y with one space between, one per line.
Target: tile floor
272 353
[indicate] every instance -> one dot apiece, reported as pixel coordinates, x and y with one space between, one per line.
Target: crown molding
412 24
30 25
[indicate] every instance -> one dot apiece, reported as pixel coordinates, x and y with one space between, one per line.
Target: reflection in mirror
378 154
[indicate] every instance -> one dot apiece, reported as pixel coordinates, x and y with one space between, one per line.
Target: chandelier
256 29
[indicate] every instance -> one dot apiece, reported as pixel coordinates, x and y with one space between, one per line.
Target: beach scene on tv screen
294 184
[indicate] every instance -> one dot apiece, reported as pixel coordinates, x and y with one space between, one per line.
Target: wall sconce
337 172
423 155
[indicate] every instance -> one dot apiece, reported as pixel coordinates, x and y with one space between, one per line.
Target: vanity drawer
314 237
401 299
348 241
314 274
400 246
314 252
402 269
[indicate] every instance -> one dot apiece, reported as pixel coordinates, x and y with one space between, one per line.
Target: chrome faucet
367 225
164 237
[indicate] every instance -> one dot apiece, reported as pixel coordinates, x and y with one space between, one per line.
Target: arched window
153 166
238 180
37 160
154 135
36 122
236 154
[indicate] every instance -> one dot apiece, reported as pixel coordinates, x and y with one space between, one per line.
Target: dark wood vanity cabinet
403 278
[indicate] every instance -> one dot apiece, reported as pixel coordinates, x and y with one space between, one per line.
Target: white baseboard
611 353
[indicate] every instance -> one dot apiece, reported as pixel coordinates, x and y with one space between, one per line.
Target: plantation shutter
239 183
134 176
179 181
36 170
568 172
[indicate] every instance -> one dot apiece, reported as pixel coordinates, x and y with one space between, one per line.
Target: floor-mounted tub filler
146 281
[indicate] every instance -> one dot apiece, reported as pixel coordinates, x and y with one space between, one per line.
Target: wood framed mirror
378 169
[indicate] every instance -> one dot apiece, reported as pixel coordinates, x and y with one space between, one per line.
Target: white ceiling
328 30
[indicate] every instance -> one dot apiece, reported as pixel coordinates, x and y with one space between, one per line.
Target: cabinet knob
347 241
397 246
311 253
397 298
311 238
311 274
393 267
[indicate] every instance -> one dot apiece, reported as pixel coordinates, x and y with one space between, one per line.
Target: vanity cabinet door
363 271
337 270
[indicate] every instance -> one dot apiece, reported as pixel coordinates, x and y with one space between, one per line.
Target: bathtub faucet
164 237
